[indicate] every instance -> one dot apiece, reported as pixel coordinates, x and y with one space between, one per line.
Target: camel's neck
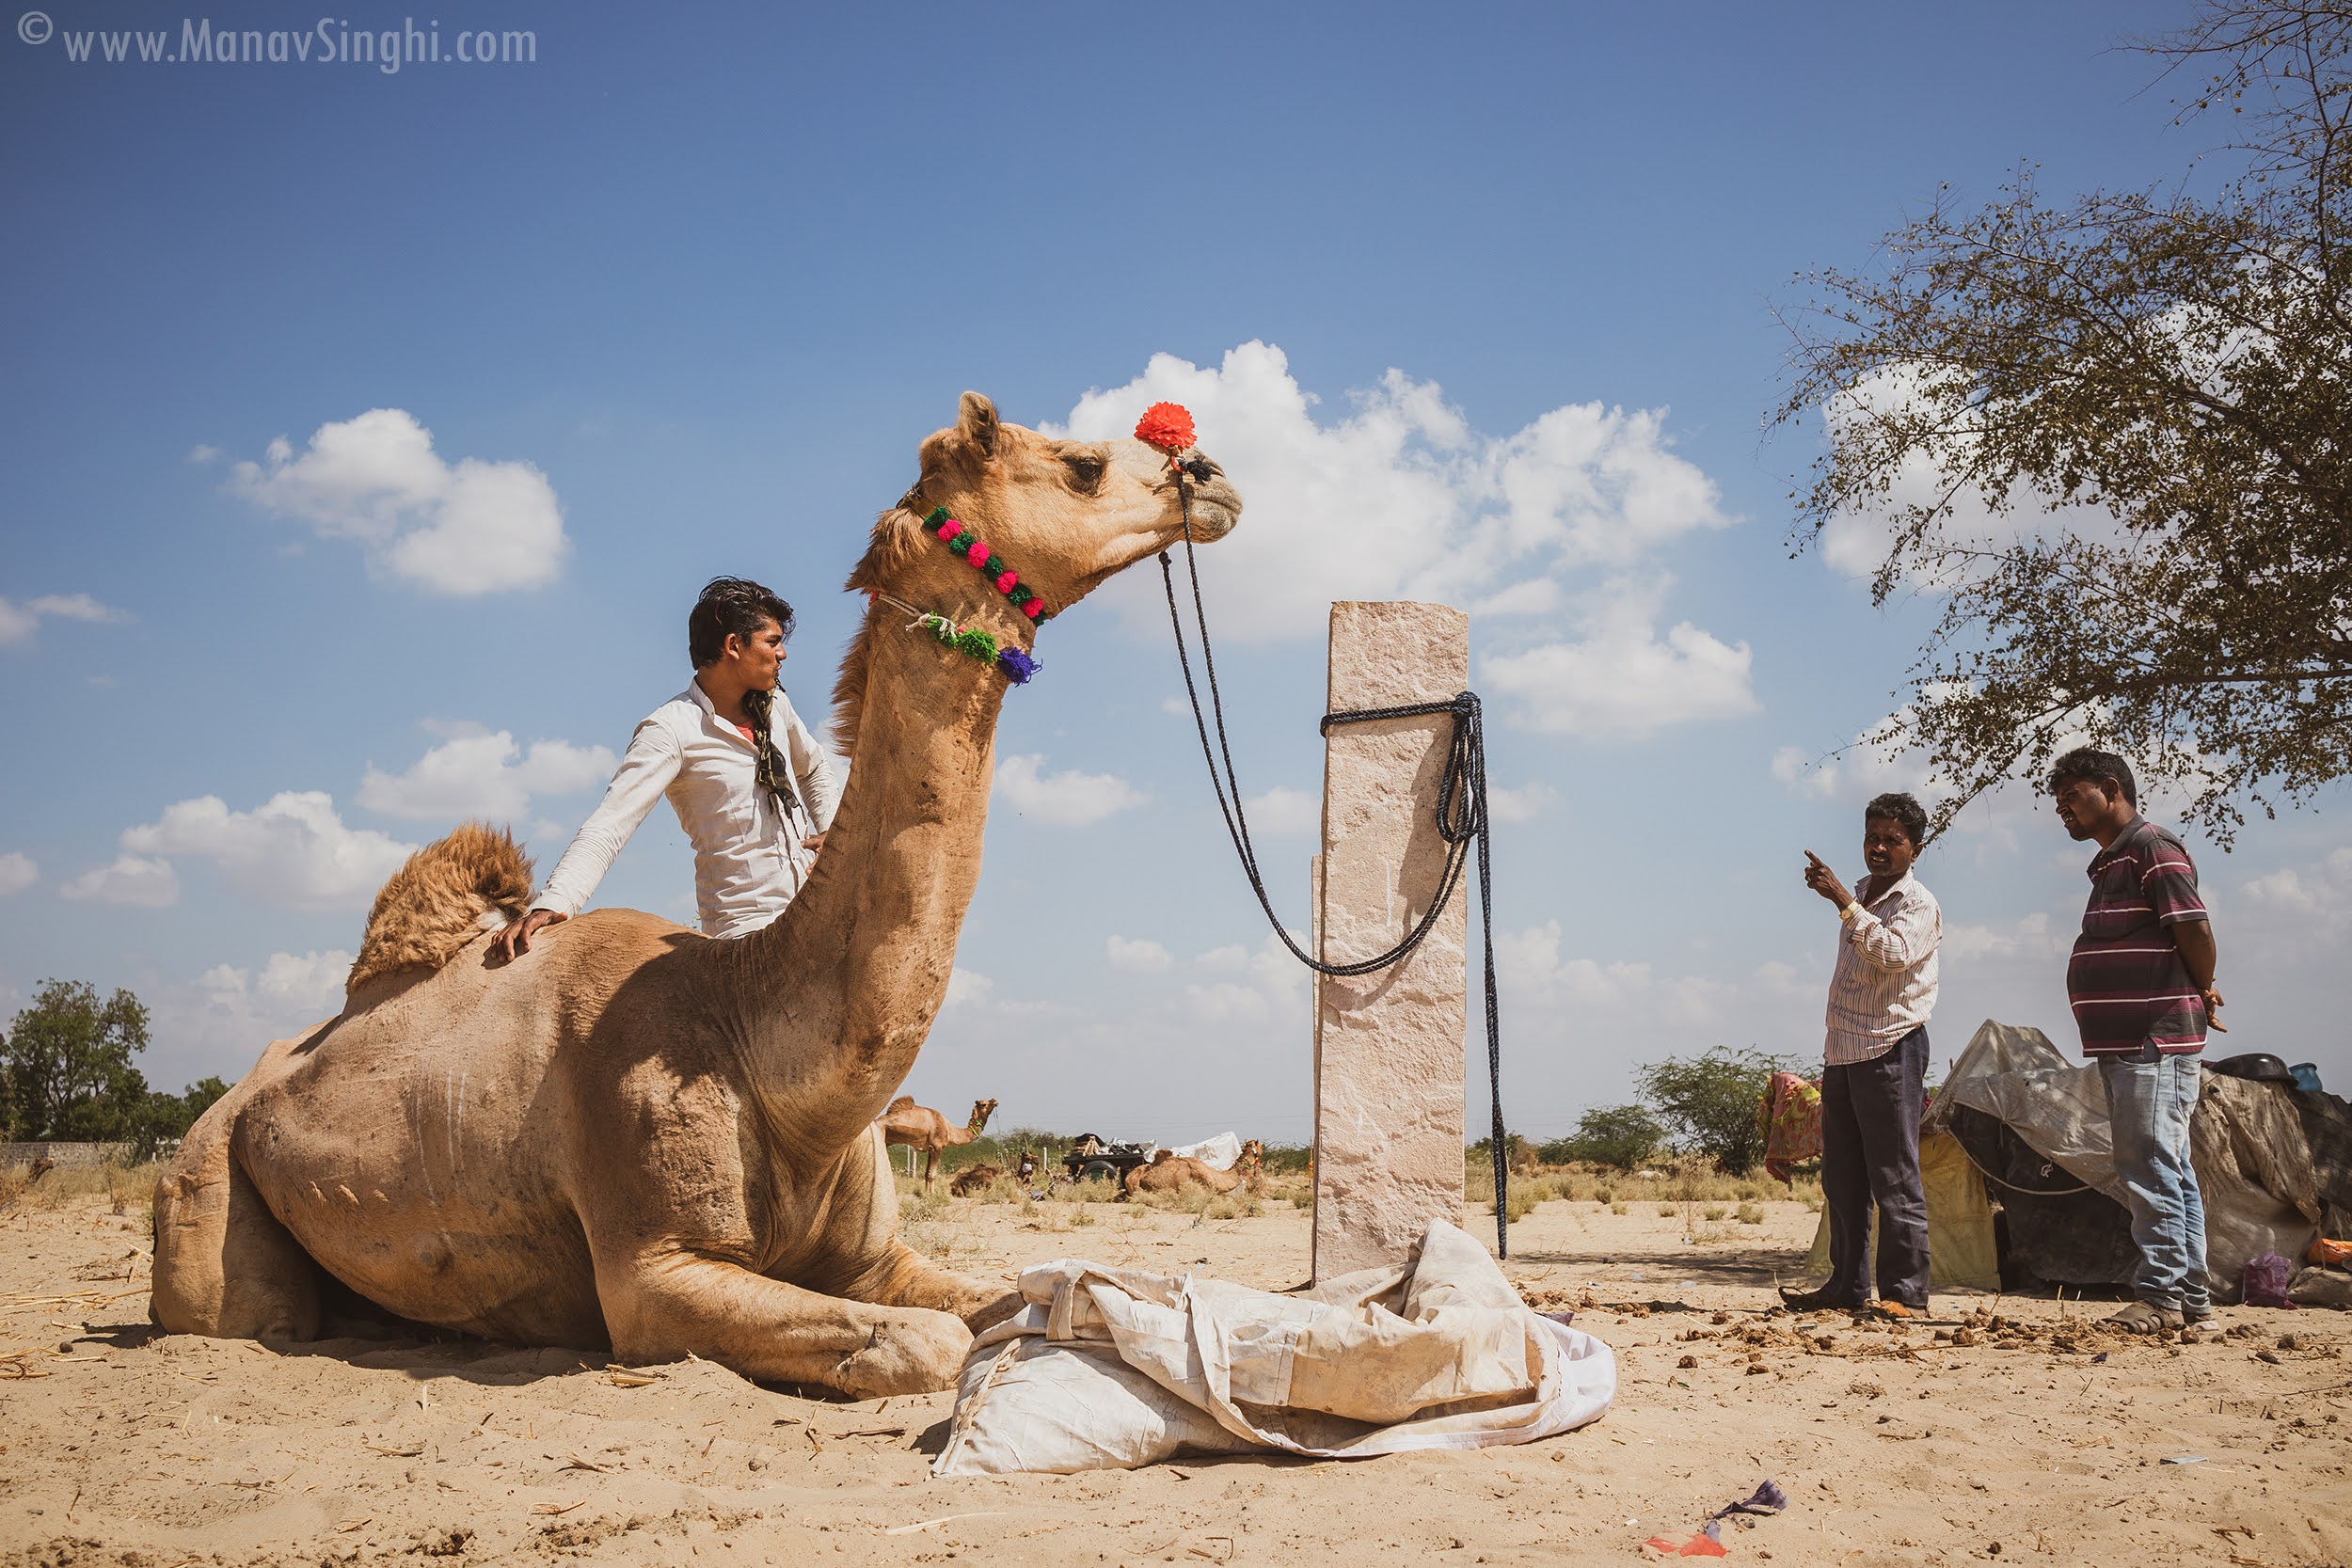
838 996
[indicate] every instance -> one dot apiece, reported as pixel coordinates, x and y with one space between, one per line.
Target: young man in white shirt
750 784
1875 1066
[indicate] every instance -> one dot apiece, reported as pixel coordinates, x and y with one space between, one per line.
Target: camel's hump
904 1103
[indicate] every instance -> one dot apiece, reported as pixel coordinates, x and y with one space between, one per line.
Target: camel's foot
910 1353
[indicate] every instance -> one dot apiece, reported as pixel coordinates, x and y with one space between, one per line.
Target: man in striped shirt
2142 989
1875 1066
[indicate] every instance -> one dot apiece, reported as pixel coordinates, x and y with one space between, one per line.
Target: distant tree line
66 1074
1705 1105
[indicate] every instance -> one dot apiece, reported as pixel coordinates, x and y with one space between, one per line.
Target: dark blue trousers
1870 1159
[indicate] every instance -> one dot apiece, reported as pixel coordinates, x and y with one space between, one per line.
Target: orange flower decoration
1167 426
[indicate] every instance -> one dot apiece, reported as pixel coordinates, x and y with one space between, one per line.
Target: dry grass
1683 1183
126 1188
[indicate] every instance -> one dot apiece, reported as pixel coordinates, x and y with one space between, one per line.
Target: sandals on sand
2141 1318
1816 1301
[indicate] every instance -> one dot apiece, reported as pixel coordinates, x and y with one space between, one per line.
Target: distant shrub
1619 1135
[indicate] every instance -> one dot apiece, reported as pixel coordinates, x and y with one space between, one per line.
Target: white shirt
1885 983
748 858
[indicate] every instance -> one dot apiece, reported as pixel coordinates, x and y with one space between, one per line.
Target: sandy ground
2026 1437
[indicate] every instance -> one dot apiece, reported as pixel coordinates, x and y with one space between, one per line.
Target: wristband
1845 916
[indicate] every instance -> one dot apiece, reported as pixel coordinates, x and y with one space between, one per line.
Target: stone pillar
1389 1104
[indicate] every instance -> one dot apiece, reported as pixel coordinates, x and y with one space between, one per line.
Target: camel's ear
976 420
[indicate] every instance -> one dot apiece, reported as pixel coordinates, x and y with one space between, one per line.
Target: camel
973 1179
920 1127
1171 1172
638 1138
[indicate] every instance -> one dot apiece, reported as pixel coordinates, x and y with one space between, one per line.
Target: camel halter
1014 664
1461 792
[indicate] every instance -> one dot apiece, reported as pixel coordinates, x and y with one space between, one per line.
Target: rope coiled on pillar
1462 821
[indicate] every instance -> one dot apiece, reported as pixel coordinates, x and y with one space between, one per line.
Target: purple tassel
1017 666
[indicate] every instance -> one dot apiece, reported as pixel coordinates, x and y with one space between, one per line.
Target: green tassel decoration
977 645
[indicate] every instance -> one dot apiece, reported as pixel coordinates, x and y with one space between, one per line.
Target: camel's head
981 1110
1064 515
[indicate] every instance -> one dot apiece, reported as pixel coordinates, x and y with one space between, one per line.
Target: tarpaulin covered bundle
2262 1191
1962 1250
1109 1369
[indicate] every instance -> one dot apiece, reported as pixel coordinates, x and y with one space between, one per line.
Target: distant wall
68 1156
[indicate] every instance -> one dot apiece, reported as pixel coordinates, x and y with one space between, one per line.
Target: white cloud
1270 988
289 984
1620 678
133 880
1282 810
1526 803
1069 799
18 622
974 995
17 872
293 850
2315 903
1136 958
1619 997
476 527
481 773
1401 497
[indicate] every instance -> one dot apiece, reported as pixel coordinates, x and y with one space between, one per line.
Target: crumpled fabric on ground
1110 1369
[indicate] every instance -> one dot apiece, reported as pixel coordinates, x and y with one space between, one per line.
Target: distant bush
1708 1102
1619 1135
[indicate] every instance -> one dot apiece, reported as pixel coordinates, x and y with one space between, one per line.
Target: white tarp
1217 1153
1109 1369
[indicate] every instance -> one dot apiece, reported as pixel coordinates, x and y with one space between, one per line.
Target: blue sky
680 295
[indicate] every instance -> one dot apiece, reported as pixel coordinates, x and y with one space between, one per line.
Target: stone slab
1389 1046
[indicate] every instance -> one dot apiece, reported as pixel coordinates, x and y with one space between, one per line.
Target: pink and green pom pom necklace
1014 664
963 542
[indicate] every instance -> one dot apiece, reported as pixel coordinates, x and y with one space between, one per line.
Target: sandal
2142 1318
1815 1301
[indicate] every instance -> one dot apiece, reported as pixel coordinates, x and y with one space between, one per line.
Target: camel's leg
930 1163
664 1306
905 1277
224 1266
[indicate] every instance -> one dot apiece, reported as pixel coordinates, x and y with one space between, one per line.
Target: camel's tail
444 897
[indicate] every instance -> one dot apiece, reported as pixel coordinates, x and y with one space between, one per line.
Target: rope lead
1461 821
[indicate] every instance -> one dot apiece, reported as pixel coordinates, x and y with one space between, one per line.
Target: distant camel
971 1179
920 1127
1171 1172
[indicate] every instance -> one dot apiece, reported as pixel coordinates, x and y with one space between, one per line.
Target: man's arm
820 788
645 773
2199 952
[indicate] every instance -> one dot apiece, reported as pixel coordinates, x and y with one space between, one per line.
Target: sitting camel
1171 1172
973 1179
633 1136
920 1127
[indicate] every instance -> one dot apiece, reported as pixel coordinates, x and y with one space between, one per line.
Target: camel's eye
1085 471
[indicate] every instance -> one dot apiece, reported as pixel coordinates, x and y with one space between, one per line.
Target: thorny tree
2115 435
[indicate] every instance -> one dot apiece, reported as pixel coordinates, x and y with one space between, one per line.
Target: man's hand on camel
516 937
812 842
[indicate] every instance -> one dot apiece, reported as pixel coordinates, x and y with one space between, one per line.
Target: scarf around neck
775 771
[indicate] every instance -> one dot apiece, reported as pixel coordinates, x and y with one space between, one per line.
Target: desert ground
2003 1428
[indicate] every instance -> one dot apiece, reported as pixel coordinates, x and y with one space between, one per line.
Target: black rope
1461 821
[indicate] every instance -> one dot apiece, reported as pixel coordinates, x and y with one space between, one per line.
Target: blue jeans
2150 1100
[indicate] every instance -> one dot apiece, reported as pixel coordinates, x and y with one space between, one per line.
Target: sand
2031 1438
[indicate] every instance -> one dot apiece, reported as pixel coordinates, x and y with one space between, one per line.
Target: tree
1710 1102
2111 432
67 1059
1620 1135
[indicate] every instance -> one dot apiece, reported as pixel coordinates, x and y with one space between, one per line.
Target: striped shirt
2127 980
1885 983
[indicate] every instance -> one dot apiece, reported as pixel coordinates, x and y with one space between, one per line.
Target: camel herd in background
905 1124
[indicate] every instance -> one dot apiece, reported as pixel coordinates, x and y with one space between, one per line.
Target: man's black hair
2091 764
731 605
1903 810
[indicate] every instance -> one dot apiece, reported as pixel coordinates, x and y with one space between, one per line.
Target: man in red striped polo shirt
2142 989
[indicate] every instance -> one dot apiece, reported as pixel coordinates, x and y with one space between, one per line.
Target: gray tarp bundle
2264 1191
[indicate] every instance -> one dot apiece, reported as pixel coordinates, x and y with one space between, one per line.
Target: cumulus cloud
307 984
18 622
1400 497
1068 799
1618 677
1282 810
133 880
474 527
478 772
1136 958
1533 973
1269 988
293 849
2312 903
1527 804
17 872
